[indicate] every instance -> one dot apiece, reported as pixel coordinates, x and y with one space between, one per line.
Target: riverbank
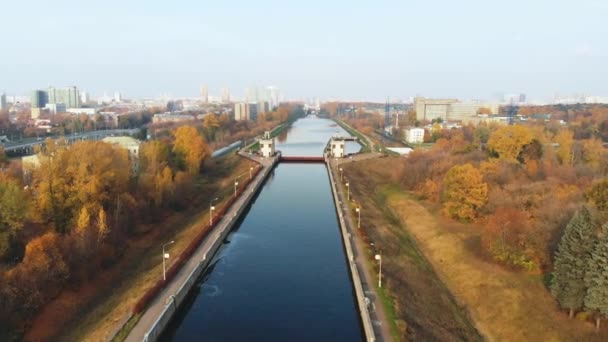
419 304
94 311
157 315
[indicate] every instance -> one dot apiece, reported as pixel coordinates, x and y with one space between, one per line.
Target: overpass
26 146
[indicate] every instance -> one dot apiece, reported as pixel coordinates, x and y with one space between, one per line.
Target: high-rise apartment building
3 104
241 111
68 96
39 98
225 95
85 97
273 96
204 94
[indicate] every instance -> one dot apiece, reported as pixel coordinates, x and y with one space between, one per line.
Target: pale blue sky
332 49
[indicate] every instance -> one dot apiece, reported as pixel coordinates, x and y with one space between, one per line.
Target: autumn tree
12 214
464 192
596 278
565 140
92 174
598 195
571 261
189 148
506 238
593 153
507 141
210 124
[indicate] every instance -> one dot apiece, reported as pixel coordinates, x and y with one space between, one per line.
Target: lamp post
165 256
341 174
379 258
236 184
359 219
348 191
250 172
211 209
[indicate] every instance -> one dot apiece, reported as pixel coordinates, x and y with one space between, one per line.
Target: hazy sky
332 49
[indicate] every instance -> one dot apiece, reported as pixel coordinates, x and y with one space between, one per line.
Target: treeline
528 188
220 129
74 212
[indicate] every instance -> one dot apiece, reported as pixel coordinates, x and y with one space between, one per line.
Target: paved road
369 278
157 306
29 142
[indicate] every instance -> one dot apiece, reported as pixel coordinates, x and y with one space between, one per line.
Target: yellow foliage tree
508 141
593 151
189 148
565 139
464 192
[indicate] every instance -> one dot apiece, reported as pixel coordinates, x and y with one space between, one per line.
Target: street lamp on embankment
165 256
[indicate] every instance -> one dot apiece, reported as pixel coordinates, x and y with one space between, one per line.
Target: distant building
168 117
55 108
69 96
267 145
204 94
225 95
85 97
87 111
337 147
273 96
263 107
3 104
241 111
117 97
414 135
129 144
39 98
515 99
449 109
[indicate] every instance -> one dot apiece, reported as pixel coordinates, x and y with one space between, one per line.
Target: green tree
596 278
464 193
12 214
571 261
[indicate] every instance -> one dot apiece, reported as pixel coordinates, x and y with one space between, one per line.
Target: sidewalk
369 277
156 307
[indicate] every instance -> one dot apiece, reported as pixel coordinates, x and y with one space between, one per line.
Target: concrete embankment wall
354 272
218 237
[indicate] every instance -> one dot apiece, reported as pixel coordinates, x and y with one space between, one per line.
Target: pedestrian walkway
156 307
369 278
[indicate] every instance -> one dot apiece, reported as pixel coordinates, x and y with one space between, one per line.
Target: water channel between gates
282 274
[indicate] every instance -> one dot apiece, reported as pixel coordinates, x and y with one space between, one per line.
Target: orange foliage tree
465 192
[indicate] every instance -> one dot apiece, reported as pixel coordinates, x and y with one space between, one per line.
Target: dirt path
507 306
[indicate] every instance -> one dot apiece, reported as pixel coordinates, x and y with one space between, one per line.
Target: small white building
267 145
414 135
337 147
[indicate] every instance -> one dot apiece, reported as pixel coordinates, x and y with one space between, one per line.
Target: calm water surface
282 274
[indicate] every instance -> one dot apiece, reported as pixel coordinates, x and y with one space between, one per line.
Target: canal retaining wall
354 272
175 301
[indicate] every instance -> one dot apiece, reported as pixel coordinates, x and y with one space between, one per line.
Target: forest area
76 212
537 192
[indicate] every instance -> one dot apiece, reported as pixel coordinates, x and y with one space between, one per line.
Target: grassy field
419 304
92 312
504 305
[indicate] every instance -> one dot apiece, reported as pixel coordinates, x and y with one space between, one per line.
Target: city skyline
341 51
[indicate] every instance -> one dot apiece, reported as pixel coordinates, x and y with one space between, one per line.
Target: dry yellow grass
506 306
